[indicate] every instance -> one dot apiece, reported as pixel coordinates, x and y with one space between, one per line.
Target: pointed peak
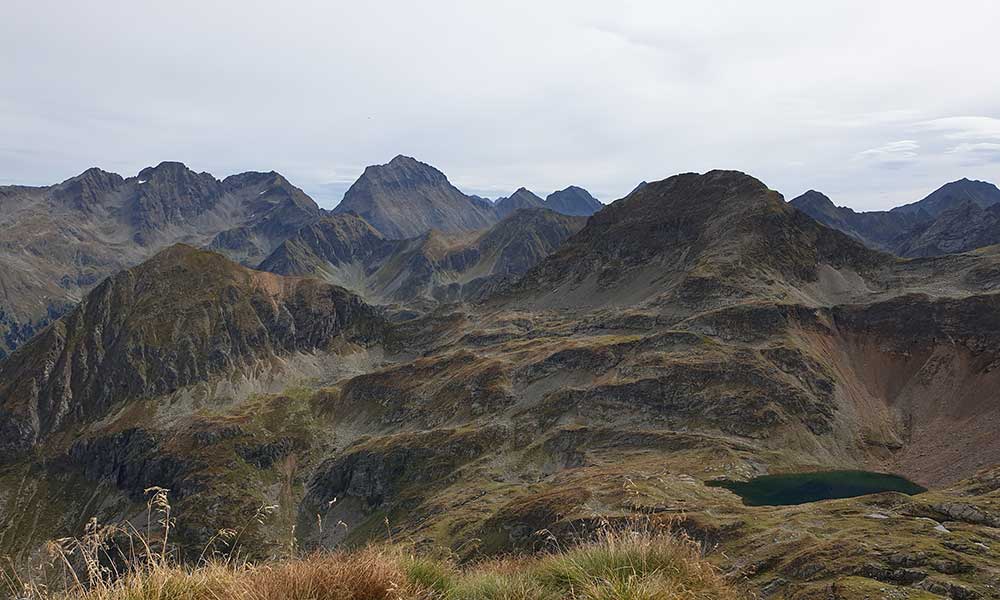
167 170
811 197
642 184
256 178
573 200
523 193
87 189
168 165
94 174
950 194
400 171
97 172
402 159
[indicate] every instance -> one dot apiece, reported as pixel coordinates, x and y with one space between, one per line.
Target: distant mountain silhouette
957 217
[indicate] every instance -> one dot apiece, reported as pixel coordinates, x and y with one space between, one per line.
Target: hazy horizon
873 105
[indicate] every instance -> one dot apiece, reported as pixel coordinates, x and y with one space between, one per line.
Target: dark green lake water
799 488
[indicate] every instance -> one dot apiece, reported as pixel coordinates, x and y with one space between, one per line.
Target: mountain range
418 365
57 242
957 217
570 201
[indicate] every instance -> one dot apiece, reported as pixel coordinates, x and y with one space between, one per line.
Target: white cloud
964 128
977 147
892 153
977 153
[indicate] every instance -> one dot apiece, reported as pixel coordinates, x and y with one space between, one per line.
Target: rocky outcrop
132 460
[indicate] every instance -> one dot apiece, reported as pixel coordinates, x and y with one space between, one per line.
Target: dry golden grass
631 564
625 565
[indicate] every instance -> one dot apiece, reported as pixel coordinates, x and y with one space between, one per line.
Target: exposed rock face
131 459
573 201
182 317
520 199
89 190
168 194
341 240
432 267
277 210
407 198
57 242
957 217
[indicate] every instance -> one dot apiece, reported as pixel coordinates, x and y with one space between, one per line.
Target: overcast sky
875 103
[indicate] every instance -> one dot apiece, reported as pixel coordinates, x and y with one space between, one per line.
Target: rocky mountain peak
169 171
812 198
406 198
404 171
573 200
521 198
167 194
982 193
87 189
725 231
949 220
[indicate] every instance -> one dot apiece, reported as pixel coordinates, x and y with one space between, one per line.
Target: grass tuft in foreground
617 566
632 564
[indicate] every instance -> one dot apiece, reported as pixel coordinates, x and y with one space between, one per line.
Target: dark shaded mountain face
981 193
276 212
332 242
182 318
522 198
573 201
878 229
929 227
57 242
434 267
406 198
961 228
691 239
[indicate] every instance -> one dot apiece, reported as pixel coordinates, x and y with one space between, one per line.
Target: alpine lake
800 488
